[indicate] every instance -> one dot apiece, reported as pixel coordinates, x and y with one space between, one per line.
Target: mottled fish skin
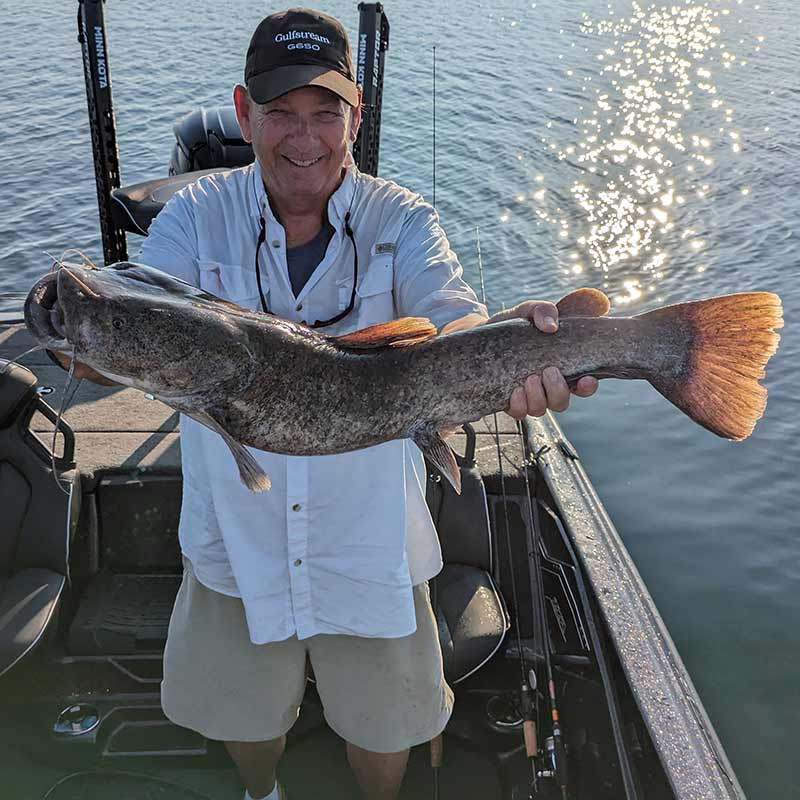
309 396
282 387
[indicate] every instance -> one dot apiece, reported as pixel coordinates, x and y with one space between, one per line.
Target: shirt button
296 507
298 562
298 307
276 243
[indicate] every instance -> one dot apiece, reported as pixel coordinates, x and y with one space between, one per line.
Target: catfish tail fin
730 341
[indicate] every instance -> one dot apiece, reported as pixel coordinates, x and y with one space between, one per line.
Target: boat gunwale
637 630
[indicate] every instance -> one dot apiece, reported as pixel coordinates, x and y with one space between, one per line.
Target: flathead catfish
280 386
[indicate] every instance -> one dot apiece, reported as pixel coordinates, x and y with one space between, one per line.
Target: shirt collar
339 204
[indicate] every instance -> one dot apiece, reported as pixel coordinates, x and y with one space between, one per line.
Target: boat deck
121 438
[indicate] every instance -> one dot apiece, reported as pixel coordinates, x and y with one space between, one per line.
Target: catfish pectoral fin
253 477
427 438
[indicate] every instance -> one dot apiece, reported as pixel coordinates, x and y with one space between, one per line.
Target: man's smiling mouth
298 163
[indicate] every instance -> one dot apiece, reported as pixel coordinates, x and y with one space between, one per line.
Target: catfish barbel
275 385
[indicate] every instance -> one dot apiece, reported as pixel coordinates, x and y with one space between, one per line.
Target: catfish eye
118 323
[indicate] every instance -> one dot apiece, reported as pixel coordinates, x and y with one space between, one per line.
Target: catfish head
142 328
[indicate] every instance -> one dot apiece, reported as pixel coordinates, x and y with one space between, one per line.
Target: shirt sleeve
171 242
428 276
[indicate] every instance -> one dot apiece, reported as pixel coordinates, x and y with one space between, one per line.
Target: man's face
300 140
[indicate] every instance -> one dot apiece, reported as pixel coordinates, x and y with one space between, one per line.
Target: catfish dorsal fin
402 332
583 303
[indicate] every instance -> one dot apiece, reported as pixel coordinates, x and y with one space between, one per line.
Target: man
330 567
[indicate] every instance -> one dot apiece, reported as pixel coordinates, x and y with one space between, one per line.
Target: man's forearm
463 323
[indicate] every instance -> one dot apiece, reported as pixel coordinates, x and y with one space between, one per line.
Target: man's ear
355 118
244 107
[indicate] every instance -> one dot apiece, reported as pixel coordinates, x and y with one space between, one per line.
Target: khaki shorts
382 695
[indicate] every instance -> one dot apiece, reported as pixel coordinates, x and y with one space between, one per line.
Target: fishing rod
434 126
437 745
632 792
554 744
528 682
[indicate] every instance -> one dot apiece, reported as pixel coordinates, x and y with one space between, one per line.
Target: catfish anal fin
428 439
253 477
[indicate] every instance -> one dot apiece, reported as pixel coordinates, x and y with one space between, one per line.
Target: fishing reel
552 766
512 713
550 758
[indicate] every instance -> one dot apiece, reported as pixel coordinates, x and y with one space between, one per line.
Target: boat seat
37 519
470 611
134 207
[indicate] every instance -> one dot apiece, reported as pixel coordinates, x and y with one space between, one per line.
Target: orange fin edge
403 332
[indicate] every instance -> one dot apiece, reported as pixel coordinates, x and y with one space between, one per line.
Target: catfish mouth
44 314
48 305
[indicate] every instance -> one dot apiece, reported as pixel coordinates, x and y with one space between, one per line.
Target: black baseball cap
299 47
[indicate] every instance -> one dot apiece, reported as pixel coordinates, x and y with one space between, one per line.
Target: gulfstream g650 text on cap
296 48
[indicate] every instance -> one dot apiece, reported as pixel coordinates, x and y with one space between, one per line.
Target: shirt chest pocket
374 294
232 282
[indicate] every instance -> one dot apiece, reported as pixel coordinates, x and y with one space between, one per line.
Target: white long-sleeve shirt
337 542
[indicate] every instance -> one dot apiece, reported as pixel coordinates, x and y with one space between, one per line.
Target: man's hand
82 371
550 390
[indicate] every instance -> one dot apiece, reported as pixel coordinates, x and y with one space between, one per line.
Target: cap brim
269 85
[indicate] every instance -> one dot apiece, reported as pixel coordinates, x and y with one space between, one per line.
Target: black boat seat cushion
469 607
17 389
28 601
134 207
472 619
36 517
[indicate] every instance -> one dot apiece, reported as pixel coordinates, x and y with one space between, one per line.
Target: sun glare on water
640 155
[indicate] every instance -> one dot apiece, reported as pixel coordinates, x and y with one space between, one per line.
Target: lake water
648 150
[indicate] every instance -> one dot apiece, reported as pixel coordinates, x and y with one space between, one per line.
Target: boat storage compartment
127 605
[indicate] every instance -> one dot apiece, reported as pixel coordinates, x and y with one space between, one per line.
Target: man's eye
327 116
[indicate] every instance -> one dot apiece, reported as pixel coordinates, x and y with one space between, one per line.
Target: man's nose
303 127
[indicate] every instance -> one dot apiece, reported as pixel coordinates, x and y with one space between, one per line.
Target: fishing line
436 743
559 753
434 126
15 360
529 729
66 398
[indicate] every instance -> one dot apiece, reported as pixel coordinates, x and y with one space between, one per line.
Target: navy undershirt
303 260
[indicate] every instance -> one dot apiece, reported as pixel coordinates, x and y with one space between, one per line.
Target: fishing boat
567 683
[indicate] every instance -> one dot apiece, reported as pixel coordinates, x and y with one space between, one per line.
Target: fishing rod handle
436 751
529 732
